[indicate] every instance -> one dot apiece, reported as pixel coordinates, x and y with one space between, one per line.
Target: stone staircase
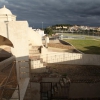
36 60
34 50
37 57
59 90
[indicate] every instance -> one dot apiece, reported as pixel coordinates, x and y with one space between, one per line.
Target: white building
6 15
41 32
22 37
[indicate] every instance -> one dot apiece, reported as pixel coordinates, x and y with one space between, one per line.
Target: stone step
58 88
35 57
41 60
44 64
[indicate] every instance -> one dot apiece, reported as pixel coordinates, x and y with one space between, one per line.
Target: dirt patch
80 73
59 45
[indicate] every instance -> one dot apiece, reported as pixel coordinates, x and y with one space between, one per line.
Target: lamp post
42 25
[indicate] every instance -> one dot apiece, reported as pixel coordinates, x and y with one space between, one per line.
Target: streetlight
42 25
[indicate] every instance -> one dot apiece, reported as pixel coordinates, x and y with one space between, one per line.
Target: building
8 16
18 43
58 27
41 32
65 27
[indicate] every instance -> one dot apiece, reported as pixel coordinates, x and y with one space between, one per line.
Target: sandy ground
59 45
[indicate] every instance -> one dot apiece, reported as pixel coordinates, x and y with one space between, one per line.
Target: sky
44 13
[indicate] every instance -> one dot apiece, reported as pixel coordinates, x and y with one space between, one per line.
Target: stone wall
17 33
34 38
63 58
37 66
71 58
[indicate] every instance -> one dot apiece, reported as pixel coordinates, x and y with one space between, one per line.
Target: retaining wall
71 58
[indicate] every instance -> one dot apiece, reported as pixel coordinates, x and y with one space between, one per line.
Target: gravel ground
77 73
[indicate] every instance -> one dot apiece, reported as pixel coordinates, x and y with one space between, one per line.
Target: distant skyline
43 13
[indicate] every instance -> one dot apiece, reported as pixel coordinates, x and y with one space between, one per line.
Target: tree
48 31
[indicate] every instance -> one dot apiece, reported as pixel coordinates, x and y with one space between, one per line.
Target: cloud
3 1
55 11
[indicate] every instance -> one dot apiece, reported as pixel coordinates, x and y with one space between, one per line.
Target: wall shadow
92 50
63 42
4 54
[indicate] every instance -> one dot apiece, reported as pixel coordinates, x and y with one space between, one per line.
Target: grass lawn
86 46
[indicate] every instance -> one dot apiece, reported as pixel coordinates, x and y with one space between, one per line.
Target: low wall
71 58
37 66
6 62
64 58
51 41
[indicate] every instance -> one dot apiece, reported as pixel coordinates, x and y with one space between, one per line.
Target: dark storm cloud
83 12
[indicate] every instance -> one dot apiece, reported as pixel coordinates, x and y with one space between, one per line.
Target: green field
86 46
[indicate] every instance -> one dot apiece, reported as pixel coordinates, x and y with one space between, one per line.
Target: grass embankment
86 46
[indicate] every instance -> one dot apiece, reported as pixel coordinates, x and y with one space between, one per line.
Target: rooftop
6 11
